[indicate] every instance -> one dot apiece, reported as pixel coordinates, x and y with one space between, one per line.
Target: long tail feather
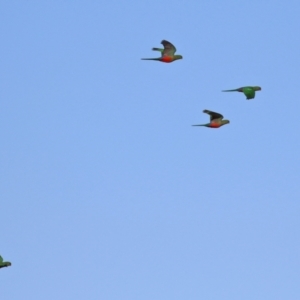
150 58
235 90
200 125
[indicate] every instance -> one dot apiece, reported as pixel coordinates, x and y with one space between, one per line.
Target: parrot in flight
167 54
216 120
4 264
249 91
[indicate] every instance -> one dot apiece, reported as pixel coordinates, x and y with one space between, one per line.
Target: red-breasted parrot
216 120
167 54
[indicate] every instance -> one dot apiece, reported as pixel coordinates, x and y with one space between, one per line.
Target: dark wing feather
213 115
169 49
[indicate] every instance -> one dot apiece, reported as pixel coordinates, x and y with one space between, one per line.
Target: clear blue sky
108 192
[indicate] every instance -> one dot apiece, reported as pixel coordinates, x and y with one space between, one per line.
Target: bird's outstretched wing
169 49
213 115
1 259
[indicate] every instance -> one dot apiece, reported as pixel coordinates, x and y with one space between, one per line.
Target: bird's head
224 122
257 88
178 57
8 263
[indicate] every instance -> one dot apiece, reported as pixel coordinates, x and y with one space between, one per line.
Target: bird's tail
200 125
150 58
235 90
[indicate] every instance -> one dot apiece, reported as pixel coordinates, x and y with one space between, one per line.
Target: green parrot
249 91
167 54
4 264
216 120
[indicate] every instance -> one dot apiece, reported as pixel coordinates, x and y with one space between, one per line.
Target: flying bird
167 54
4 264
216 120
249 91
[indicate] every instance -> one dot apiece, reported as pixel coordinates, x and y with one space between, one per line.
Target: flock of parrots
216 120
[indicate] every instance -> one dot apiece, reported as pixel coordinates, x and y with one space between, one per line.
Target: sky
108 192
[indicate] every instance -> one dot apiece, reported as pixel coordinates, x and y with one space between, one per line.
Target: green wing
1 259
169 49
249 92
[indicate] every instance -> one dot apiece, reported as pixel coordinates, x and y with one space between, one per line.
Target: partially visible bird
216 120
4 264
249 91
167 54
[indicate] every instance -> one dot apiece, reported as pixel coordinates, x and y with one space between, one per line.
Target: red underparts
166 59
214 125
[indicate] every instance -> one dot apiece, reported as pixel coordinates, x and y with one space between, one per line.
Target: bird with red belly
216 120
167 54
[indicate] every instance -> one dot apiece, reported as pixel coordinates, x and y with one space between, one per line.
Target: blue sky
108 192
